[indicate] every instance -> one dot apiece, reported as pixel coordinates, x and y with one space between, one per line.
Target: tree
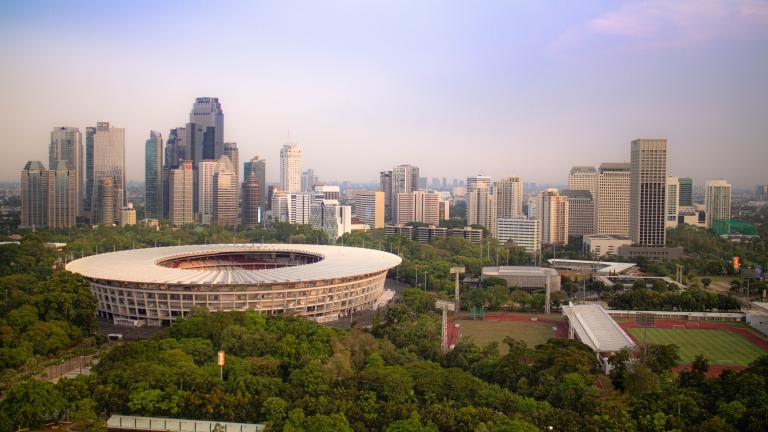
31 404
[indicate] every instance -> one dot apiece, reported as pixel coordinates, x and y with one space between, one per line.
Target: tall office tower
612 200
301 206
280 206
109 161
153 176
290 168
478 179
717 203
90 132
761 192
206 170
34 195
418 206
104 202
251 196
67 144
647 192
208 131
581 212
308 180
385 181
259 168
478 204
583 178
180 187
672 205
521 231
552 210
230 149
329 216
176 148
225 184
686 192
62 195
369 208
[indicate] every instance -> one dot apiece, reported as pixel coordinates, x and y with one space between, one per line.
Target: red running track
562 327
714 370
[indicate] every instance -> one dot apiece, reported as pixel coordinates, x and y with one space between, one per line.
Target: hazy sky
456 88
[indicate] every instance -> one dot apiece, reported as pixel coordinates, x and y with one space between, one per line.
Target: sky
508 88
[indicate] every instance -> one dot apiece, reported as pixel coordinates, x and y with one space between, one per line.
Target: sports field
720 347
486 331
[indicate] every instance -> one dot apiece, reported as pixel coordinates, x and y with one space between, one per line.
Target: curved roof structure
142 265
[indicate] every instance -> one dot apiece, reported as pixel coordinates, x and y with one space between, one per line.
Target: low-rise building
425 234
525 277
600 245
651 252
399 230
473 235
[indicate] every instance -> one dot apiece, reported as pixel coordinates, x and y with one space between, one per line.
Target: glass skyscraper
153 176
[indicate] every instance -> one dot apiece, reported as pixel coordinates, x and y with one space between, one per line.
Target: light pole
425 280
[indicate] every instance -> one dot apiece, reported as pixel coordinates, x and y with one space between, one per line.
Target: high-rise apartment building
225 205
206 170
402 179
34 195
369 208
251 201
581 212
153 176
673 202
206 129
761 192
509 197
180 187
552 210
259 168
62 195
648 196
479 205
109 161
444 208
583 178
686 192
717 203
67 144
521 231
473 181
127 215
301 207
385 182
90 132
612 200
290 168
418 206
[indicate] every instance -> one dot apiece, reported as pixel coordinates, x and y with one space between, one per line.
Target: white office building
521 231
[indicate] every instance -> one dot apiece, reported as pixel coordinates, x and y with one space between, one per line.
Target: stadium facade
154 286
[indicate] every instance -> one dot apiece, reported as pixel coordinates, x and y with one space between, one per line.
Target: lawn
483 332
718 346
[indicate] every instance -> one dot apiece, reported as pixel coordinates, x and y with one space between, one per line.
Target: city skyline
519 79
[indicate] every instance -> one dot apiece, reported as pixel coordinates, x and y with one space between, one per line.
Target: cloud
658 23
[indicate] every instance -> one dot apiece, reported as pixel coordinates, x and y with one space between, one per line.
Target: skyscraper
176 148
478 179
62 195
308 180
34 195
67 144
290 168
583 178
230 149
369 208
251 207
647 204
612 201
686 192
153 176
90 132
717 204
508 193
104 200
259 168
109 161
180 186
672 204
418 206
552 210
208 131
206 170
225 193
479 205
581 212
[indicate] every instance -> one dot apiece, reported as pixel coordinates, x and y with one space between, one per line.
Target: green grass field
484 332
718 346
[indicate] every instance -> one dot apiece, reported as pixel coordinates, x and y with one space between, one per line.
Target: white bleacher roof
121 422
596 329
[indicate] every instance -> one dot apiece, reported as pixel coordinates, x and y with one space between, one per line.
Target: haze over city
526 89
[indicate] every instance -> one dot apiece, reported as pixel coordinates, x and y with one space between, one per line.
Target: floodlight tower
445 306
457 271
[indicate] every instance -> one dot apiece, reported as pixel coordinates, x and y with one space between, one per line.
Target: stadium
154 286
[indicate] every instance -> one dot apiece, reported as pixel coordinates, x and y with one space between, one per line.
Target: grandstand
594 327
